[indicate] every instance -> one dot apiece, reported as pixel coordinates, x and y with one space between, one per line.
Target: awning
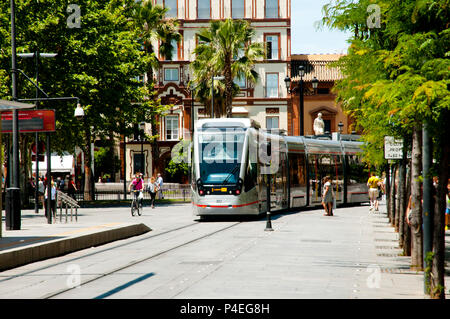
59 164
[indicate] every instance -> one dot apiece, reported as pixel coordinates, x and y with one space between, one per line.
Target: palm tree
225 49
154 26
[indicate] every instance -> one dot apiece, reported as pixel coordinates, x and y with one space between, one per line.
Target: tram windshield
220 155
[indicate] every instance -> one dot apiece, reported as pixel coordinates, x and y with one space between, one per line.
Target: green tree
225 48
98 62
399 74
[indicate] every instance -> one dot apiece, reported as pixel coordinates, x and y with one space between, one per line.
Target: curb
23 256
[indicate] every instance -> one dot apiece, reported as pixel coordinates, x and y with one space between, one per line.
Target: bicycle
136 204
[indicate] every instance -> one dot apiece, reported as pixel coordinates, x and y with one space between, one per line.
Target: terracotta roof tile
316 65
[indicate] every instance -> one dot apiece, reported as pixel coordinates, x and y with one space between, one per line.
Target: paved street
352 255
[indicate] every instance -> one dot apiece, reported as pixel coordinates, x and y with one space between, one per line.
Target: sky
305 38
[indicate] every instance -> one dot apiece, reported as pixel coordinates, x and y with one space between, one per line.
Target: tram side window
250 175
357 170
297 170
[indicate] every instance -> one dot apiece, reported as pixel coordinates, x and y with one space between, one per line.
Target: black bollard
269 222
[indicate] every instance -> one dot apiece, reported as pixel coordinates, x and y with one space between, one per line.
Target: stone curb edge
20 257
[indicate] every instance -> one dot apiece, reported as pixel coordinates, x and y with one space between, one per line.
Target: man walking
159 182
373 183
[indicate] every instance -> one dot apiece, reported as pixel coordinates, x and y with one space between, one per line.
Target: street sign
393 148
30 121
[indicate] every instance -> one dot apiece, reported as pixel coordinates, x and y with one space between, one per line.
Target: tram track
144 259
141 238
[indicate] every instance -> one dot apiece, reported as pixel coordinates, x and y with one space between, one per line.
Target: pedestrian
52 200
373 183
327 196
137 184
159 183
62 184
71 188
58 183
151 188
41 190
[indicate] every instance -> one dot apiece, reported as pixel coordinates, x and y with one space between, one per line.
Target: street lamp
341 127
287 81
79 112
191 88
36 55
141 137
219 78
315 83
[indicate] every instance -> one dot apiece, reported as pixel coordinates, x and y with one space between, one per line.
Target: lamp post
36 55
287 81
212 92
191 88
141 137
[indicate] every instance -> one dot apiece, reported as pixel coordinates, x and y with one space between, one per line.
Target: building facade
268 102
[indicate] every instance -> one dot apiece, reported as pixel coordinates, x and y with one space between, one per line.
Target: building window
240 81
172 6
172 127
203 9
272 9
138 163
272 44
271 84
237 9
272 122
170 74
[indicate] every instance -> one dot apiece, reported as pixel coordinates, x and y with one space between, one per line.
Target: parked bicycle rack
64 199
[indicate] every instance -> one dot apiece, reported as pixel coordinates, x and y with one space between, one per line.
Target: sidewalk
38 240
354 254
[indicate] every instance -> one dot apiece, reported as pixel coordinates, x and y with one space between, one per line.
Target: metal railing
181 194
63 199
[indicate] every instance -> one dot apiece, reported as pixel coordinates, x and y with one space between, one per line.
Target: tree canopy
396 74
225 48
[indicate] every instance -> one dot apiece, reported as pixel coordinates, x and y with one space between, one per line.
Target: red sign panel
30 121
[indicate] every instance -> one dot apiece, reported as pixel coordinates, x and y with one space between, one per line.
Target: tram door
315 179
279 182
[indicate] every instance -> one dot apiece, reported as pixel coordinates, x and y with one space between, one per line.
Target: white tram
232 160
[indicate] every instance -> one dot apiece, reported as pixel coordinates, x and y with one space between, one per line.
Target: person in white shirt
52 200
159 183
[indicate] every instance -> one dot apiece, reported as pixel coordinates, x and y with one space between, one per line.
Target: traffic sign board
393 148
30 121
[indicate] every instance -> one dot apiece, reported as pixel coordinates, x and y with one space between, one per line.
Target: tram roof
226 122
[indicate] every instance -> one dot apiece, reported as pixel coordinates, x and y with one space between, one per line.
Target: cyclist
137 184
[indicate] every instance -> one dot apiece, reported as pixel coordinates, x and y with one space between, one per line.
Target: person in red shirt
137 184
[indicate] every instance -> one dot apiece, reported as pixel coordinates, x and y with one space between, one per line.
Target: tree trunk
88 189
438 265
392 195
397 196
406 230
228 88
416 203
402 196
